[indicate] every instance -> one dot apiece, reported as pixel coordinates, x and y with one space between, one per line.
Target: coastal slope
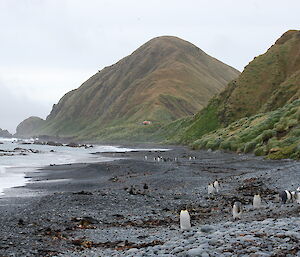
165 79
258 112
268 82
25 128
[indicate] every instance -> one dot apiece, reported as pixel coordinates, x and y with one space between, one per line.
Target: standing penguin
185 220
145 187
210 189
256 201
216 186
297 197
285 196
237 210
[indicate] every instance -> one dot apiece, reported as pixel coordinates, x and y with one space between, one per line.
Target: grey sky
49 47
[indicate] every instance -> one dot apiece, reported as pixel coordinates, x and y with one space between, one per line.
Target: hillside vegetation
268 82
258 112
165 79
275 134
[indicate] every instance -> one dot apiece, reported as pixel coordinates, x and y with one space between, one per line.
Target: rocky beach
131 207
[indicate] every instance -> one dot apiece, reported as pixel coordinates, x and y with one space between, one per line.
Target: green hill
165 79
258 112
268 82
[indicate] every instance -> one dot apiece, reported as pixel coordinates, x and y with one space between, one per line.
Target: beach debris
21 222
185 220
114 179
85 222
117 245
54 234
82 193
256 201
237 210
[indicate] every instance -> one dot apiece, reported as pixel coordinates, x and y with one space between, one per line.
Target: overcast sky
48 47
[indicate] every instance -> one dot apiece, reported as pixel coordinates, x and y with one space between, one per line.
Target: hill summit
165 79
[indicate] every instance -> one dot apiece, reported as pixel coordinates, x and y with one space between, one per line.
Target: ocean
13 168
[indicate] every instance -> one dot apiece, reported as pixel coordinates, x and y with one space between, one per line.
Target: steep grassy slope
275 134
165 79
270 81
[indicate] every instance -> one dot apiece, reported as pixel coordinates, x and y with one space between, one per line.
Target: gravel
94 214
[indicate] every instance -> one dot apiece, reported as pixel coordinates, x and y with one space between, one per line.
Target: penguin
256 201
297 197
237 210
216 186
145 187
285 196
210 189
132 190
146 157
185 220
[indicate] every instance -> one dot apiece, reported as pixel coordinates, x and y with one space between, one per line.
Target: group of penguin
213 188
285 196
168 159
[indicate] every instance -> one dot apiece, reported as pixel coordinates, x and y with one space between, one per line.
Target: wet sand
110 209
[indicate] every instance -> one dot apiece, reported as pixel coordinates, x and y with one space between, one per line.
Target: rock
132 250
207 229
72 144
177 250
196 252
52 143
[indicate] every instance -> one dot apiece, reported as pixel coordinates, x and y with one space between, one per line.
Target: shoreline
93 213
23 179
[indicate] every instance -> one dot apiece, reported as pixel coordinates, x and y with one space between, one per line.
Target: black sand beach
131 206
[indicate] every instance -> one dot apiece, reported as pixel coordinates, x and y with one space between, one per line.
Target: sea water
13 168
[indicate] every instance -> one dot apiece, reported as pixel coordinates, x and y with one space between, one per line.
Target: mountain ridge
165 79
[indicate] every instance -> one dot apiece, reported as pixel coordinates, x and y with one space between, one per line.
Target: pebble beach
105 209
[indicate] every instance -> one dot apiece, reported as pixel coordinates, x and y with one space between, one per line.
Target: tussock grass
275 134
